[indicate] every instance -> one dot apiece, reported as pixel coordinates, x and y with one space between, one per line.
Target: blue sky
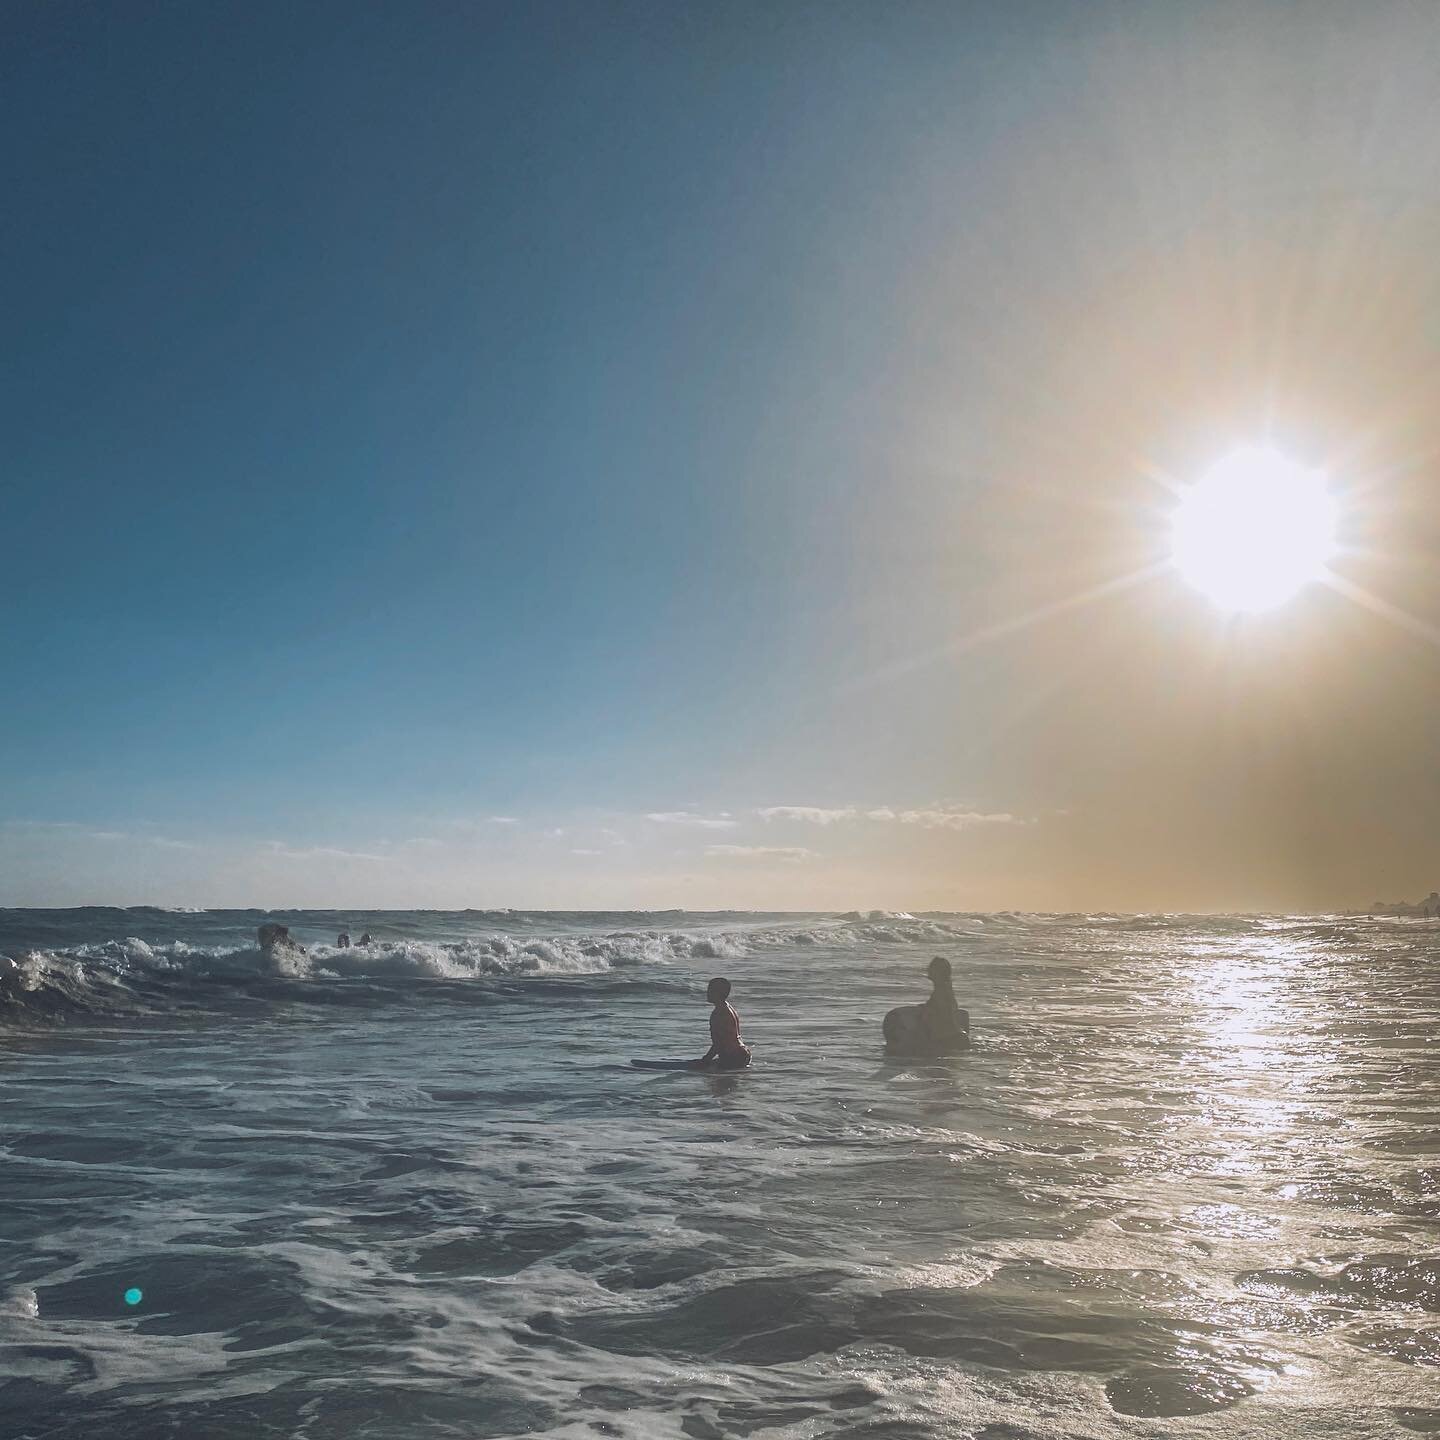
578 414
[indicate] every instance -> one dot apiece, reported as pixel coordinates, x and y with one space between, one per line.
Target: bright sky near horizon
674 454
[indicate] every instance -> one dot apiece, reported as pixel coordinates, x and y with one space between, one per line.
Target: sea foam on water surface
1185 1184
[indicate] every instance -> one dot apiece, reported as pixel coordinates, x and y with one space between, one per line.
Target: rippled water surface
1186 1183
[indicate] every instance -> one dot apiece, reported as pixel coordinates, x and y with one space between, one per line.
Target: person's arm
713 1053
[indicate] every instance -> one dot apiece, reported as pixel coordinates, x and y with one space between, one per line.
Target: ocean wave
133 976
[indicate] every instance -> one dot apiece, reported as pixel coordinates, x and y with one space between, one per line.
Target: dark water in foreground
1187 1183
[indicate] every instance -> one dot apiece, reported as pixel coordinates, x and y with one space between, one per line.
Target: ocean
1186 1182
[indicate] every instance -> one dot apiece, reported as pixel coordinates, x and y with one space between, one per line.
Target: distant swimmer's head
717 992
939 970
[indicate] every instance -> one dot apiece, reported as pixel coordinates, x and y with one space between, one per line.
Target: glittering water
1186 1183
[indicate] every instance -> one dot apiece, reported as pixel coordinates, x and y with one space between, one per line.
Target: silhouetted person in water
726 1052
276 944
277 937
342 940
938 1027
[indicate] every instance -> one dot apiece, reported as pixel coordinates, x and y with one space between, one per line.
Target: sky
689 455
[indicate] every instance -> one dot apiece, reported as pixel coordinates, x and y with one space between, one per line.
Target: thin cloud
83 831
809 814
934 817
943 818
69 827
475 827
686 817
319 852
790 854
587 852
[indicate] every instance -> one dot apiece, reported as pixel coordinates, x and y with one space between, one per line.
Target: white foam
21 1303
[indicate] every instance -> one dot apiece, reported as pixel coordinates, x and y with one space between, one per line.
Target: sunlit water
1186 1183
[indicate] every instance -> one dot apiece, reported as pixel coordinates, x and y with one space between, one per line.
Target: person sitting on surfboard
727 1051
938 1027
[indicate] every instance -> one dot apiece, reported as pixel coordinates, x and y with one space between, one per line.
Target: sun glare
1254 529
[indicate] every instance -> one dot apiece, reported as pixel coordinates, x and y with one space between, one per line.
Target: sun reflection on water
1255 1042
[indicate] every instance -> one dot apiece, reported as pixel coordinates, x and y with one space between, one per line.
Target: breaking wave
134 976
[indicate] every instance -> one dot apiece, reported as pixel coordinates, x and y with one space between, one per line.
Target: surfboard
692 1065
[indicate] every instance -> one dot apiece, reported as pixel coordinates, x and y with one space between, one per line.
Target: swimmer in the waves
727 1051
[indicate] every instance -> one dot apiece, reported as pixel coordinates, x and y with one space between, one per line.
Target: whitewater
1186 1183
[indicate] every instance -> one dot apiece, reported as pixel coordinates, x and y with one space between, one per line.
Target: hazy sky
667 454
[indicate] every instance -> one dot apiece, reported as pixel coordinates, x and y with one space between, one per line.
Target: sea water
1185 1183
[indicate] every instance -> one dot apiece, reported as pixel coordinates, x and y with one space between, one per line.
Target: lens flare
1254 530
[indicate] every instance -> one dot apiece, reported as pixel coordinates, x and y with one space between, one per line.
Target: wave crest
133 976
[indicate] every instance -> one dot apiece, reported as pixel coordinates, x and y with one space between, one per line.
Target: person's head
717 992
939 971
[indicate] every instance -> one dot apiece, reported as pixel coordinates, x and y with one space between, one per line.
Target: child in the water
727 1051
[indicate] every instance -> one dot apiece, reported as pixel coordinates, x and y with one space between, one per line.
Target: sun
1254 529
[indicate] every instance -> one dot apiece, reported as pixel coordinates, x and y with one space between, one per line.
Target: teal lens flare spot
134 1296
